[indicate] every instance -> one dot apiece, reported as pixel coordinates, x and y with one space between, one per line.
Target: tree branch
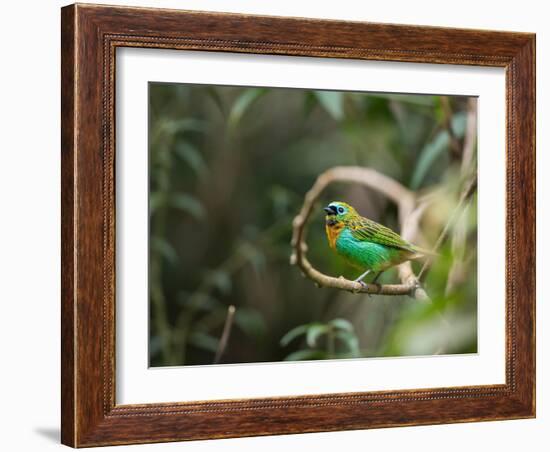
408 217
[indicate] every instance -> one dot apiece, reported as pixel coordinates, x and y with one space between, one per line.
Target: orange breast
333 231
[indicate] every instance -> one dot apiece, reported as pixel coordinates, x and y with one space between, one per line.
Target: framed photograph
282 225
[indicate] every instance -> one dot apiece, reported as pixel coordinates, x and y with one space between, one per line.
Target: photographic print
230 169
286 212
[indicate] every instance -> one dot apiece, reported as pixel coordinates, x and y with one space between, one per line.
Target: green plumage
365 244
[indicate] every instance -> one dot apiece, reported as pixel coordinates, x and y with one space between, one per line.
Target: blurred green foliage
229 167
334 339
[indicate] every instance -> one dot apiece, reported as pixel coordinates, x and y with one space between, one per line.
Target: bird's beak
330 210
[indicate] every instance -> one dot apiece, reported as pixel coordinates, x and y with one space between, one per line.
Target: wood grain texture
90 36
68 310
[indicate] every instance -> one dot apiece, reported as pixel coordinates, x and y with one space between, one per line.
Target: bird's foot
363 287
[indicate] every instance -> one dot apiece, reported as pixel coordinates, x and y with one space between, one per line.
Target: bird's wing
369 231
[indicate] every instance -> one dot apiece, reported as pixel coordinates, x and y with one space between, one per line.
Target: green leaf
253 255
243 102
211 320
332 102
458 124
166 250
436 147
250 322
172 126
156 200
188 204
190 154
314 331
221 280
310 101
302 355
342 324
156 344
185 125
439 111
414 99
200 301
428 156
216 98
293 334
204 341
351 341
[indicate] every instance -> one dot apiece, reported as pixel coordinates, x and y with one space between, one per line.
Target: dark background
229 167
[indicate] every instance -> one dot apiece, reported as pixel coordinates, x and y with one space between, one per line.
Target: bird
366 244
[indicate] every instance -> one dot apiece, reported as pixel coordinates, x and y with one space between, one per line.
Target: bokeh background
229 167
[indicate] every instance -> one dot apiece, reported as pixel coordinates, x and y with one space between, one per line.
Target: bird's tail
422 252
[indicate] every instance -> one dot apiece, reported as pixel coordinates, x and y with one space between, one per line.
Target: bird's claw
363 286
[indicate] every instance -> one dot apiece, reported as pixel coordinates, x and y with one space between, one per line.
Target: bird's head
338 211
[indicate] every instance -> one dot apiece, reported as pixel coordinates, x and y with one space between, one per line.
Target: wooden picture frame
90 36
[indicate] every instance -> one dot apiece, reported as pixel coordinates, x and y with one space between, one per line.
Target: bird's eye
340 210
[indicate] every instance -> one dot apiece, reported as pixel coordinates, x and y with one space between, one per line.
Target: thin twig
458 239
222 344
469 190
456 272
